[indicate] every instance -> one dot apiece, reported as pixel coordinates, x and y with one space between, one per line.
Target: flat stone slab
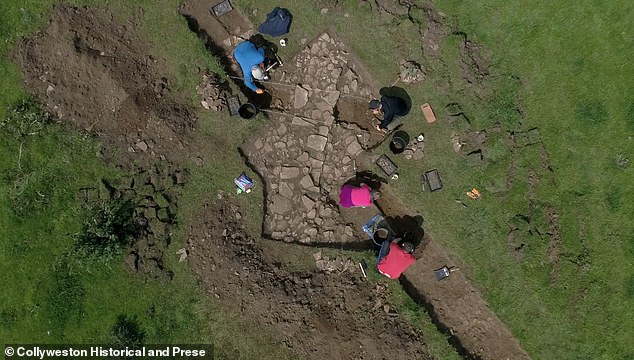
301 97
289 172
317 142
305 158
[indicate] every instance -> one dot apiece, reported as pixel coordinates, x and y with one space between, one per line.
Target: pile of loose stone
155 193
414 150
338 264
306 156
214 93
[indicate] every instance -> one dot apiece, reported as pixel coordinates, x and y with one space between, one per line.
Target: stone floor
305 155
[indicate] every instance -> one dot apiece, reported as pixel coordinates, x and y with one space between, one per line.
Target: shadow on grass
410 228
369 178
398 92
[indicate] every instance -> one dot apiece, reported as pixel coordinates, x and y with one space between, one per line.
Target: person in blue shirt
251 60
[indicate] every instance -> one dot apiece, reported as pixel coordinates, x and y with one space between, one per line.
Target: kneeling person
393 109
362 196
251 61
395 258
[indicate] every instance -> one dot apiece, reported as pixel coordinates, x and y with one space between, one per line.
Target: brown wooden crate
428 112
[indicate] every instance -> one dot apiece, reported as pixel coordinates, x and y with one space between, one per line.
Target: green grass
568 67
573 64
50 294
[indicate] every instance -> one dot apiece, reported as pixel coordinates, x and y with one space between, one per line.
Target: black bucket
247 111
380 235
399 142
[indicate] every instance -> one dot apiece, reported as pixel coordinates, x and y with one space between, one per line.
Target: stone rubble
214 93
411 72
338 264
414 150
304 159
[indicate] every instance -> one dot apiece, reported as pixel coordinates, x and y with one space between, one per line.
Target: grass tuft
591 112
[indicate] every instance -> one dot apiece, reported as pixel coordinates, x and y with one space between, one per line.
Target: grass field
575 69
52 296
567 65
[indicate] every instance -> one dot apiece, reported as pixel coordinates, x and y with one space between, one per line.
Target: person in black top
393 108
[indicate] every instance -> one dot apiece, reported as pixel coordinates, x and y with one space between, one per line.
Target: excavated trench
301 163
262 101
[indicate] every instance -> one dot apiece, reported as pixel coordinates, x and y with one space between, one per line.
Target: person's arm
388 112
387 118
248 79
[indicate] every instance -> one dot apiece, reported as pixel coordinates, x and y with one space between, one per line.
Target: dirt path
98 76
456 306
127 103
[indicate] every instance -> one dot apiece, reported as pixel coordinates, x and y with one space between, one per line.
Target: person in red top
353 196
395 258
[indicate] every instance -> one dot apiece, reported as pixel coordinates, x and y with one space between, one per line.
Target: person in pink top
353 196
395 257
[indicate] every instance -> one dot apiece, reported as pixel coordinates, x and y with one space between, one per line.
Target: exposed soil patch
94 74
304 159
97 75
470 143
474 62
434 32
455 305
518 236
317 314
155 191
214 92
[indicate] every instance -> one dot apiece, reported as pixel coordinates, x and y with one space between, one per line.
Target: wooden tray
428 112
432 180
387 165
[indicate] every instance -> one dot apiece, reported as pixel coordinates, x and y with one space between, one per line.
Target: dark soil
125 100
316 314
554 246
97 75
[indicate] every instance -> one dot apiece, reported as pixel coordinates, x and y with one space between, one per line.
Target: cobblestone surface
305 156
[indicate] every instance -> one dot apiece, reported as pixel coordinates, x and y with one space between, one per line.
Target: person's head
375 106
257 73
375 195
407 246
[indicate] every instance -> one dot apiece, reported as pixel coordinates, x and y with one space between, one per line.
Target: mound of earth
98 75
317 314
